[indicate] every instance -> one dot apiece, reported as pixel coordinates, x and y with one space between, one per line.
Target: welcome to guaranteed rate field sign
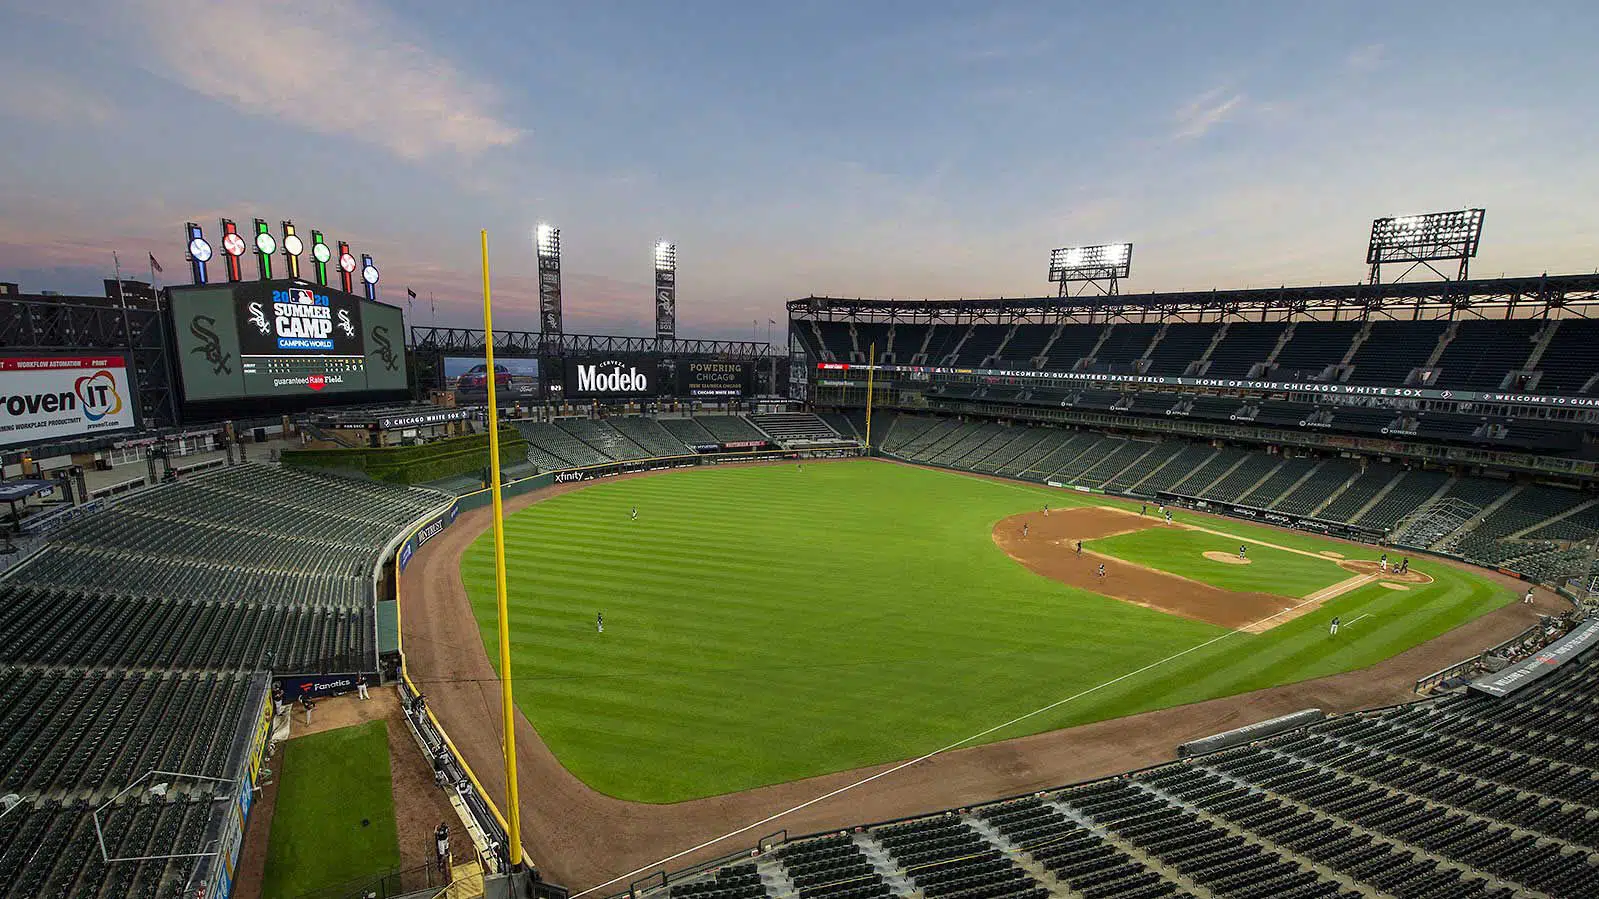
63 397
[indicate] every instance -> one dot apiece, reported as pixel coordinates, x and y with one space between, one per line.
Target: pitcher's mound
1225 558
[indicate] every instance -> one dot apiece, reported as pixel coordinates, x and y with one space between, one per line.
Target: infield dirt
582 838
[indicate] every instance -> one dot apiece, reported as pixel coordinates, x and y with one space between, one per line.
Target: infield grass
334 819
764 624
1181 552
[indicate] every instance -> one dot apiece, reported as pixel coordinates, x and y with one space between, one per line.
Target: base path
1050 549
581 838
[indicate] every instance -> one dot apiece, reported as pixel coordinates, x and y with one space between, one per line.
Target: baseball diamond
737 648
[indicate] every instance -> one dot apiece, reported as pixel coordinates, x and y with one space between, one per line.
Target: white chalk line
1357 618
903 765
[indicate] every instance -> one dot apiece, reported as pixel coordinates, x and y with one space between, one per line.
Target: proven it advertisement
63 397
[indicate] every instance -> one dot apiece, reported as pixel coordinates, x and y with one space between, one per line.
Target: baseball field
764 624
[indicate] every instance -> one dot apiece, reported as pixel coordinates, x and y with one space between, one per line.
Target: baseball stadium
1253 593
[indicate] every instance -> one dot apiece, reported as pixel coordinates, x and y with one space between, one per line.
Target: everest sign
62 397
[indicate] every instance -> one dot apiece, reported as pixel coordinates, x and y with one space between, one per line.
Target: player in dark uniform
1079 547
1332 630
599 622
1102 571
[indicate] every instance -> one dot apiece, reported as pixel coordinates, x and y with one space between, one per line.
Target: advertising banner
468 376
63 397
1069 377
665 303
1513 678
714 379
602 378
316 686
428 532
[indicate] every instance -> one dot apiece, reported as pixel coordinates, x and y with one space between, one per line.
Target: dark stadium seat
1392 349
1246 345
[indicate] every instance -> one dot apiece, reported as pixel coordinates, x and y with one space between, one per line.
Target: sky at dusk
904 148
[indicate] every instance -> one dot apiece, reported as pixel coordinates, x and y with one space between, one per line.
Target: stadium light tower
547 241
1417 241
1100 267
665 290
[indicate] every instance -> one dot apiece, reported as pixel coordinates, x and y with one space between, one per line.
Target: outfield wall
484 821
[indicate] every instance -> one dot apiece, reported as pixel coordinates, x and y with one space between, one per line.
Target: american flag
154 264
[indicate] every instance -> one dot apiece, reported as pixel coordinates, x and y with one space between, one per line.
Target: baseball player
1102 571
1384 561
1243 551
1332 630
1079 547
360 685
1527 600
635 513
1168 516
1046 511
1024 530
599 622
1144 509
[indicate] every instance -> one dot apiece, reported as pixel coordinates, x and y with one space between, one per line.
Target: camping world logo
98 395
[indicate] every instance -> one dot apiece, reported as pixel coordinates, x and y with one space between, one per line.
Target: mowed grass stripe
767 624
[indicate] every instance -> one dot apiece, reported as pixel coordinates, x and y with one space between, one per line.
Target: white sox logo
258 318
345 325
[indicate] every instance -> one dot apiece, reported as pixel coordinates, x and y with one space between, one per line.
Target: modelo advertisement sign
713 379
63 397
604 378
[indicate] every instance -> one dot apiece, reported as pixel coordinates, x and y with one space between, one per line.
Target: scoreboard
285 345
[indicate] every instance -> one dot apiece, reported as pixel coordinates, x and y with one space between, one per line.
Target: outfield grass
334 820
764 624
1181 552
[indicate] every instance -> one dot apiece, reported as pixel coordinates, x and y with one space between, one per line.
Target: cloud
1366 59
1206 111
50 97
343 68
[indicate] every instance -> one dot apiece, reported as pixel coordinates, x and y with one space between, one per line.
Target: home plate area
1051 549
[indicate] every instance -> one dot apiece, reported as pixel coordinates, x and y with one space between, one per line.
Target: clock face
292 245
200 250
321 252
266 244
347 262
370 274
234 244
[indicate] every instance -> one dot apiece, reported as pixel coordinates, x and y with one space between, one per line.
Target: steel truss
136 333
1544 296
469 342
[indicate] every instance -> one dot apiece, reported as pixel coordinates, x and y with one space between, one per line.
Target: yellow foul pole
508 708
871 369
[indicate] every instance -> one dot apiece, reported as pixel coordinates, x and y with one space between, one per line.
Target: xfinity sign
600 378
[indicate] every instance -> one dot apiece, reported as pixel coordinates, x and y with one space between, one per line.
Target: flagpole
507 702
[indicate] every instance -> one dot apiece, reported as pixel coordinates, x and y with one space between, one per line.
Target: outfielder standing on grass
1332 630
635 513
599 622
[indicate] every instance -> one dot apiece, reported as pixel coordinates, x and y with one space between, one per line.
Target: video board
516 378
285 345
709 380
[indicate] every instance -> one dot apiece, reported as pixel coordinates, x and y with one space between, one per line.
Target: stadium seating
558 443
1482 354
1570 363
1357 493
649 434
1393 349
1180 346
1413 489
730 428
1313 349
795 428
604 438
1244 346
1463 797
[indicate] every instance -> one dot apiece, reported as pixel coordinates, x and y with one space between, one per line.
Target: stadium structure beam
469 342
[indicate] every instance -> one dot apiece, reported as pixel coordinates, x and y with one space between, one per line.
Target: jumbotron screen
287 344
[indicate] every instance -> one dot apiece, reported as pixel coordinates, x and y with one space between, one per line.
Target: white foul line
1357 618
903 765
